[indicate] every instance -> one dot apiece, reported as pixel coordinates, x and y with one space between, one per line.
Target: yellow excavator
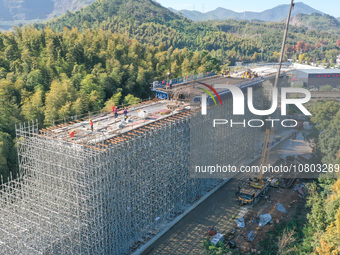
225 73
250 193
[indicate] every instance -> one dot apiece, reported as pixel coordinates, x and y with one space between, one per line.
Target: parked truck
250 194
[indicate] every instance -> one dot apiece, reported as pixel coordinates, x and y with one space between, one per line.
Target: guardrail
241 85
167 83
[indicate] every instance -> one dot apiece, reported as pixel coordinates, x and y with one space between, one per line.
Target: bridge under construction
110 190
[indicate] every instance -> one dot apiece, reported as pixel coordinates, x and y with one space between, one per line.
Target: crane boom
251 192
269 132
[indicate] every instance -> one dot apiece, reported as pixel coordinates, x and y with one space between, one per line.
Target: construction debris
251 236
212 231
240 223
281 208
299 188
217 238
264 219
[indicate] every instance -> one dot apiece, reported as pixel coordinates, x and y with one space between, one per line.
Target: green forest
47 75
228 40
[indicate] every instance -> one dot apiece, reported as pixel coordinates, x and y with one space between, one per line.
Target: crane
258 182
257 186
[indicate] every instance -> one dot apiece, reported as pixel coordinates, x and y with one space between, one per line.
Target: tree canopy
47 75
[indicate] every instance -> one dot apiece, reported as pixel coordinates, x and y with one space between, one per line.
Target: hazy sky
331 7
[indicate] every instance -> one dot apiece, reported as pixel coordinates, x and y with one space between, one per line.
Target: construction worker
91 124
170 83
72 133
116 112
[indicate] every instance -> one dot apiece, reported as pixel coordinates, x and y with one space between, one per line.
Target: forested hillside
149 22
302 44
317 22
322 231
229 40
47 75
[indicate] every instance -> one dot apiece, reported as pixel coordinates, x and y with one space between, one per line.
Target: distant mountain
338 19
124 10
277 13
173 10
316 21
145 20
151 23
13 10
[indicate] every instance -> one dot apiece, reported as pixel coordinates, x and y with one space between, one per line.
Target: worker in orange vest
91 124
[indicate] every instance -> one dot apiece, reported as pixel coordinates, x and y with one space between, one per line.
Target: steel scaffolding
107 196
80 199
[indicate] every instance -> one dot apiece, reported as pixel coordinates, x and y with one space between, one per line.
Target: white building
338 60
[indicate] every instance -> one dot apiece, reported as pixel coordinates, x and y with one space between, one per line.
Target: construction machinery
257 186
250 195
249 74
226 73
251 192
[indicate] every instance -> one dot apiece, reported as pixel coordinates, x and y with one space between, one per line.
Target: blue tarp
281 208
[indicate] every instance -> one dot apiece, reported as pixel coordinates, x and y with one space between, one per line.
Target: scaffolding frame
105 196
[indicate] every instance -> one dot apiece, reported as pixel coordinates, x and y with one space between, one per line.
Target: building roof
320 71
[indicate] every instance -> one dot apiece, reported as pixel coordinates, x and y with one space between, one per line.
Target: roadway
325 94
186 237
187 88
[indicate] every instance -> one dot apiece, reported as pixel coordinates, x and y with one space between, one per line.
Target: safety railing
168 82
241 85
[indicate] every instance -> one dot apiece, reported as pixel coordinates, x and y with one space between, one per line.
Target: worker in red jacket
91 124
72 134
